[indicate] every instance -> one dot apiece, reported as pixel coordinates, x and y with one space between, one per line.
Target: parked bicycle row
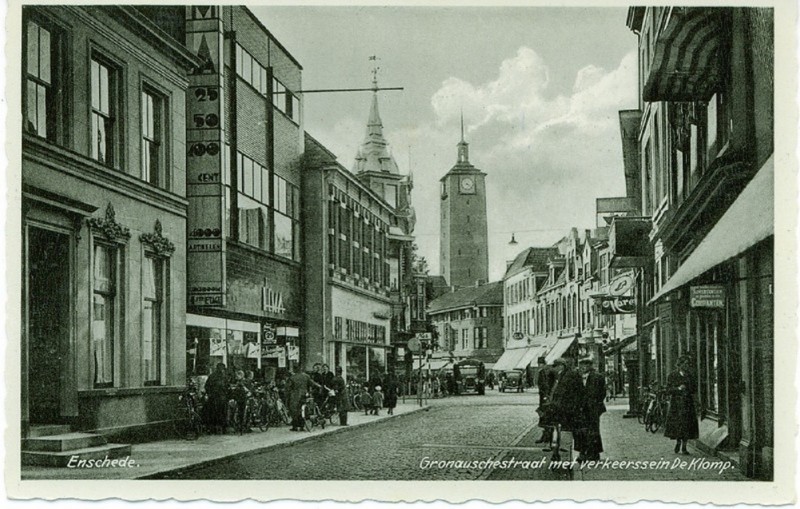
233 401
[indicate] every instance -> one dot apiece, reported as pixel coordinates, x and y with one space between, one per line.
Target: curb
258 450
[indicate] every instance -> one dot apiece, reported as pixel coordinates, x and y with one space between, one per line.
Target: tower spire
462 125
463 146
374 155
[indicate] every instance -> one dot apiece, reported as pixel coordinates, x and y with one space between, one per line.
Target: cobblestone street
471 429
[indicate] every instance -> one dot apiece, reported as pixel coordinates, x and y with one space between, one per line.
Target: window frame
162 128
116 111
161 317
115 293
54 110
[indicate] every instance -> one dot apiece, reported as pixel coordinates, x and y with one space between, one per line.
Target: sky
540 89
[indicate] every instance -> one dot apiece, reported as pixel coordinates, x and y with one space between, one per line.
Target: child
377 400
366 400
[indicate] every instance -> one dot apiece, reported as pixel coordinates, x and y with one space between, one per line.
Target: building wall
60 176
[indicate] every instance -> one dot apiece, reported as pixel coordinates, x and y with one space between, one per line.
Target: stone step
64 442
45 430
63 458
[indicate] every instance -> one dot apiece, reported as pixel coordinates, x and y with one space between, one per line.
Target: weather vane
375 69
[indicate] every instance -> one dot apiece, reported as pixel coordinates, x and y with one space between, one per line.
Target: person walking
342 404
681 418
567 400
588 441
298 385
217 391
377 400
545 379
392 386
366 400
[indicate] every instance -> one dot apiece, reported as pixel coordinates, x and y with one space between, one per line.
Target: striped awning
686 63
531 356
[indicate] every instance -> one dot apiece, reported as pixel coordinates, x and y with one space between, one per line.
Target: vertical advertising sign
205 139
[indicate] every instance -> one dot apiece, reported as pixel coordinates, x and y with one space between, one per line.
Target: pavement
630 454
491 437
155 460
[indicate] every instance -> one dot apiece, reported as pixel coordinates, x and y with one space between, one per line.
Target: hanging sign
707 296
618 305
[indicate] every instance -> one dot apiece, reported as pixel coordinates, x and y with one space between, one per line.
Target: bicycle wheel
283 412
660 418
195 425
642 411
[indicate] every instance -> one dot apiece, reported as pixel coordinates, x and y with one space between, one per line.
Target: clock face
467 185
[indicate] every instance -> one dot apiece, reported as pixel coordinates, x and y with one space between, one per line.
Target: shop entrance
48 305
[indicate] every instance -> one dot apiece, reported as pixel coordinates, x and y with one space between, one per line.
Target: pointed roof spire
462 125
374 155
463 146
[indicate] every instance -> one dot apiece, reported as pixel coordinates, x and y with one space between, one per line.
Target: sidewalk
639 456
155 458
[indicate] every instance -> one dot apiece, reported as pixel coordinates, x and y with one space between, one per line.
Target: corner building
103 220
243 183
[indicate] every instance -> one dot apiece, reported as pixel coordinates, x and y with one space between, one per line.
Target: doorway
48 305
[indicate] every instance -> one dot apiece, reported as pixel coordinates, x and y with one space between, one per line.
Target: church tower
464 248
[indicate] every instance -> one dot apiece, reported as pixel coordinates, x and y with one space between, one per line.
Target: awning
509 359
685 63
436 364
531 356
621 344
747 221
559 349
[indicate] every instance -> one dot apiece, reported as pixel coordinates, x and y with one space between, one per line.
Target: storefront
360 335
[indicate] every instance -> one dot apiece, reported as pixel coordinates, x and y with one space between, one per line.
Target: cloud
548 154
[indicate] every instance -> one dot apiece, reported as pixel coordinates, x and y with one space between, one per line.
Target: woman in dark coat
217 391
390 399
682 418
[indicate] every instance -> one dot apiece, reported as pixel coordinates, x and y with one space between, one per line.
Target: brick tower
464 248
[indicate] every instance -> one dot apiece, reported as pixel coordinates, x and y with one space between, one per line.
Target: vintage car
470 375
511 381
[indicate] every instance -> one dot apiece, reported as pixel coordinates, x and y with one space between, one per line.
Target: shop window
153 157
104 129
153 313
104 314
42 79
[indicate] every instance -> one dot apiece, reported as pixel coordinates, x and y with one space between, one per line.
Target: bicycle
328 409
658 411
189 425
644 403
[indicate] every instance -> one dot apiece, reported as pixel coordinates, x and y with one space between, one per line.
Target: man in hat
567 396
340 387
588 441
545 379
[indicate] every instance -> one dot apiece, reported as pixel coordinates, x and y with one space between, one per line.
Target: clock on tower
467 185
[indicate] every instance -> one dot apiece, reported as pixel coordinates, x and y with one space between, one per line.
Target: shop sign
217 344
272 351
621 285
707 296
282 359
205 137
272 301
293 352
268 334
617 305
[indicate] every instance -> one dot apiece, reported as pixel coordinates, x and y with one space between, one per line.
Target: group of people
573 400
322 384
